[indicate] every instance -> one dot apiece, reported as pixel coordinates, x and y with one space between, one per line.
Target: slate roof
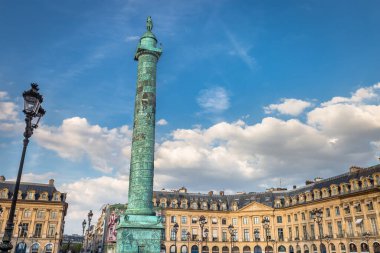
266 198
25 187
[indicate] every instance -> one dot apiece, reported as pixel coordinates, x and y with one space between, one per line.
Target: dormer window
56 197
184 205
174 204
224 206
194 205
204 206
30 195
4 194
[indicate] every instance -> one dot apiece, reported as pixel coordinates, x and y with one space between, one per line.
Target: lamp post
328 240
83 228
202 222
188 236
89 217
274 245
32 110
232 234
175 229
265 223
317 214
206 235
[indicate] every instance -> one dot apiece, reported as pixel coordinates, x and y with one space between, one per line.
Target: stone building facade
349 221
40 213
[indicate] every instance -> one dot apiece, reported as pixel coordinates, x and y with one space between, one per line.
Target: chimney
51 182
294 187
210 193
2 179
309 182
221 193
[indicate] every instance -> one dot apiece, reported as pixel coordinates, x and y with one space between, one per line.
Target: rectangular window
279 219
173 219
256 220
214 221
358 207
340 229
280 234
245 220
40 214
373 225
53 215
172 235
51 230
297 232
320 228
246 235
184 234
290 233
214 235
25 229
303 216
328 212
350 228
304 230
194 220
184 219
224 235
37 230
289 220
295 217
312 231
370 206
234 221
224 221
337 211
27 213
330 229
347 210
256 232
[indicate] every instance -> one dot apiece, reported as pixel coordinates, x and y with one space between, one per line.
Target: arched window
342 248
314 248
205 249
235 249
163 248
364 247
21 247
49 248
225 249
184 249
323 248
172 249
268 249
246 249
353 248
35 248
194 249
281 248
305 249
291 249
257 249
376 245
332 248
215 249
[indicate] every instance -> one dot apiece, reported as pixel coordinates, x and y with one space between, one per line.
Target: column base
139 234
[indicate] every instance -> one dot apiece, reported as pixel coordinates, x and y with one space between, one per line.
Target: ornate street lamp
274 245
89 217
206 235
188 236
33 113
232 234
265 223
317 215
83 225
328 240
175 229
202 222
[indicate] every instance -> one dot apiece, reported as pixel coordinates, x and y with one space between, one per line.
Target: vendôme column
139 230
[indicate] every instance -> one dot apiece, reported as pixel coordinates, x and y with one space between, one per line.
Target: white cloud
76 139
162 122
241 51
359 96
9 120
91 194
3 94
214 99
289 106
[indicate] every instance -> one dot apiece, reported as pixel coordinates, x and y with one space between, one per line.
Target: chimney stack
51 182
2 179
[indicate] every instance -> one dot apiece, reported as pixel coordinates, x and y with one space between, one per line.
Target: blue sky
246 92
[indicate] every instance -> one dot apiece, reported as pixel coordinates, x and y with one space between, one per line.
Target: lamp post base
5 247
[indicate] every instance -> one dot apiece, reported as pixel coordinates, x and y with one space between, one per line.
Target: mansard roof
267 198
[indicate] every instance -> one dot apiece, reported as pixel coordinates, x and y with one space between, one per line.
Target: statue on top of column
149 24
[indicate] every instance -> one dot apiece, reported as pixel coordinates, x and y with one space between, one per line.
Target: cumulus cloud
131 38
214 99
91 194
162 122
76 139
289 106
9 120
